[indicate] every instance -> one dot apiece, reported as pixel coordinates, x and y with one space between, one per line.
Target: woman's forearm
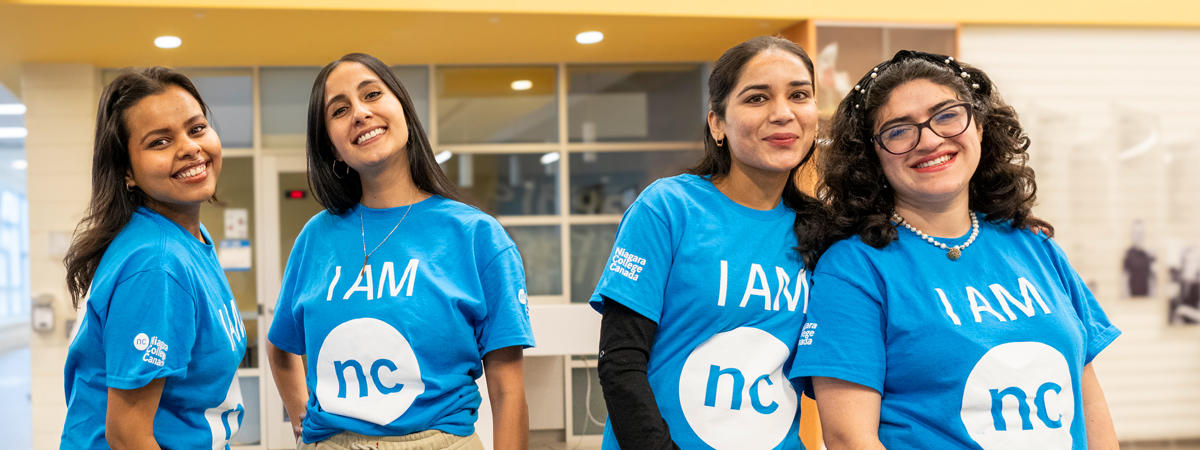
626 338
504 371
1100 432
288 371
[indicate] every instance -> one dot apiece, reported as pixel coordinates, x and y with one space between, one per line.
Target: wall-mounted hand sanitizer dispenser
43 313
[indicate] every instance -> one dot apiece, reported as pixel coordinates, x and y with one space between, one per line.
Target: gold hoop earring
720 142
333 167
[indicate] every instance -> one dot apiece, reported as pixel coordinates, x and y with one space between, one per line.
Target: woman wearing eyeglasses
939 320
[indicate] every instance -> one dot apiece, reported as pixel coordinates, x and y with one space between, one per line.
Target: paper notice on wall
237 223
234 255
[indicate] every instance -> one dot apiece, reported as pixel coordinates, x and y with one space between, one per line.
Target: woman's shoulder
148 242
453 217
849 255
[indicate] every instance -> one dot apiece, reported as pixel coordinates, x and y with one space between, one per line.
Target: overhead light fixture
550 158
442 157
20 164
11 109
167 41
589 37
522 85
13 132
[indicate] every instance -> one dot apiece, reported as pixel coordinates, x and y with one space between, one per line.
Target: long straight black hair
112 205
716 162
338 194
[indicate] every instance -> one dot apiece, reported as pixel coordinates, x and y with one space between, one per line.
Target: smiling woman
157 305
451 302
926 159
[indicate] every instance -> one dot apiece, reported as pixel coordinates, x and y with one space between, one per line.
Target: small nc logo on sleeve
141 341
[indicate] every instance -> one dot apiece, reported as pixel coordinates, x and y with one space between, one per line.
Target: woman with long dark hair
940 317
400 295
705 290
154 362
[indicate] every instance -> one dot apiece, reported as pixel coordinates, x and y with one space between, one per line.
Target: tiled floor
16 417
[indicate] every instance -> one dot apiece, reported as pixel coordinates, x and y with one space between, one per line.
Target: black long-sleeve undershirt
625 341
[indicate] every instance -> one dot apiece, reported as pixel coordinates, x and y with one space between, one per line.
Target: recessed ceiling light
550 158
13 132
442 157
167 41
20 164
589 37
11 109
522 85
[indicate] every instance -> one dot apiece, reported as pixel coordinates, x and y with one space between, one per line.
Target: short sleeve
287 332
150 330
843 332
1099 332
636 271
507 321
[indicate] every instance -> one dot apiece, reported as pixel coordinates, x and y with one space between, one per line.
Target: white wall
1090 98
61 101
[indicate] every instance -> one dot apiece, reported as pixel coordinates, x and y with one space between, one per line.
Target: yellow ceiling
118 33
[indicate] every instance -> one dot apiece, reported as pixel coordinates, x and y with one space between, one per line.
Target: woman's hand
504 371
288 371
129 423
849 414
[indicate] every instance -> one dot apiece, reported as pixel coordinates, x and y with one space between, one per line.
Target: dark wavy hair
112 205
716 162
338 194
852 180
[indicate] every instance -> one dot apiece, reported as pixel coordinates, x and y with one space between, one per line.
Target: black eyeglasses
947 123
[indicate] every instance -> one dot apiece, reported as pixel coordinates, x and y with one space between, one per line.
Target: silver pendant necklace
951 252
363 228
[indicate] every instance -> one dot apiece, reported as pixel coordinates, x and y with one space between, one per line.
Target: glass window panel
590 247
933 40
284 93
541 252
846 53
586 397
235 189
608 182
228 93
478 105
416 81
506 184
636 103
250 432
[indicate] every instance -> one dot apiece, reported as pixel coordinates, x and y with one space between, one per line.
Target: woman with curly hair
937 318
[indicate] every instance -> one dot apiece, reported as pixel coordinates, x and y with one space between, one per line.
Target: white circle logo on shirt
733 391
367 370
141 341
1020 395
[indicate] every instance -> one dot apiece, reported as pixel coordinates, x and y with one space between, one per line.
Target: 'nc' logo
1020 395
367 370
733 391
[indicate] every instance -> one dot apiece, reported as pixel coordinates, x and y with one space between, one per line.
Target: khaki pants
425 440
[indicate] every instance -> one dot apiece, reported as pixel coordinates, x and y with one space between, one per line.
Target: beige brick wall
1087 96
61 101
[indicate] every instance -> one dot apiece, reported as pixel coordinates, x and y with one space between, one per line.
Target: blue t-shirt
985 352
158 307
395 347
728 293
